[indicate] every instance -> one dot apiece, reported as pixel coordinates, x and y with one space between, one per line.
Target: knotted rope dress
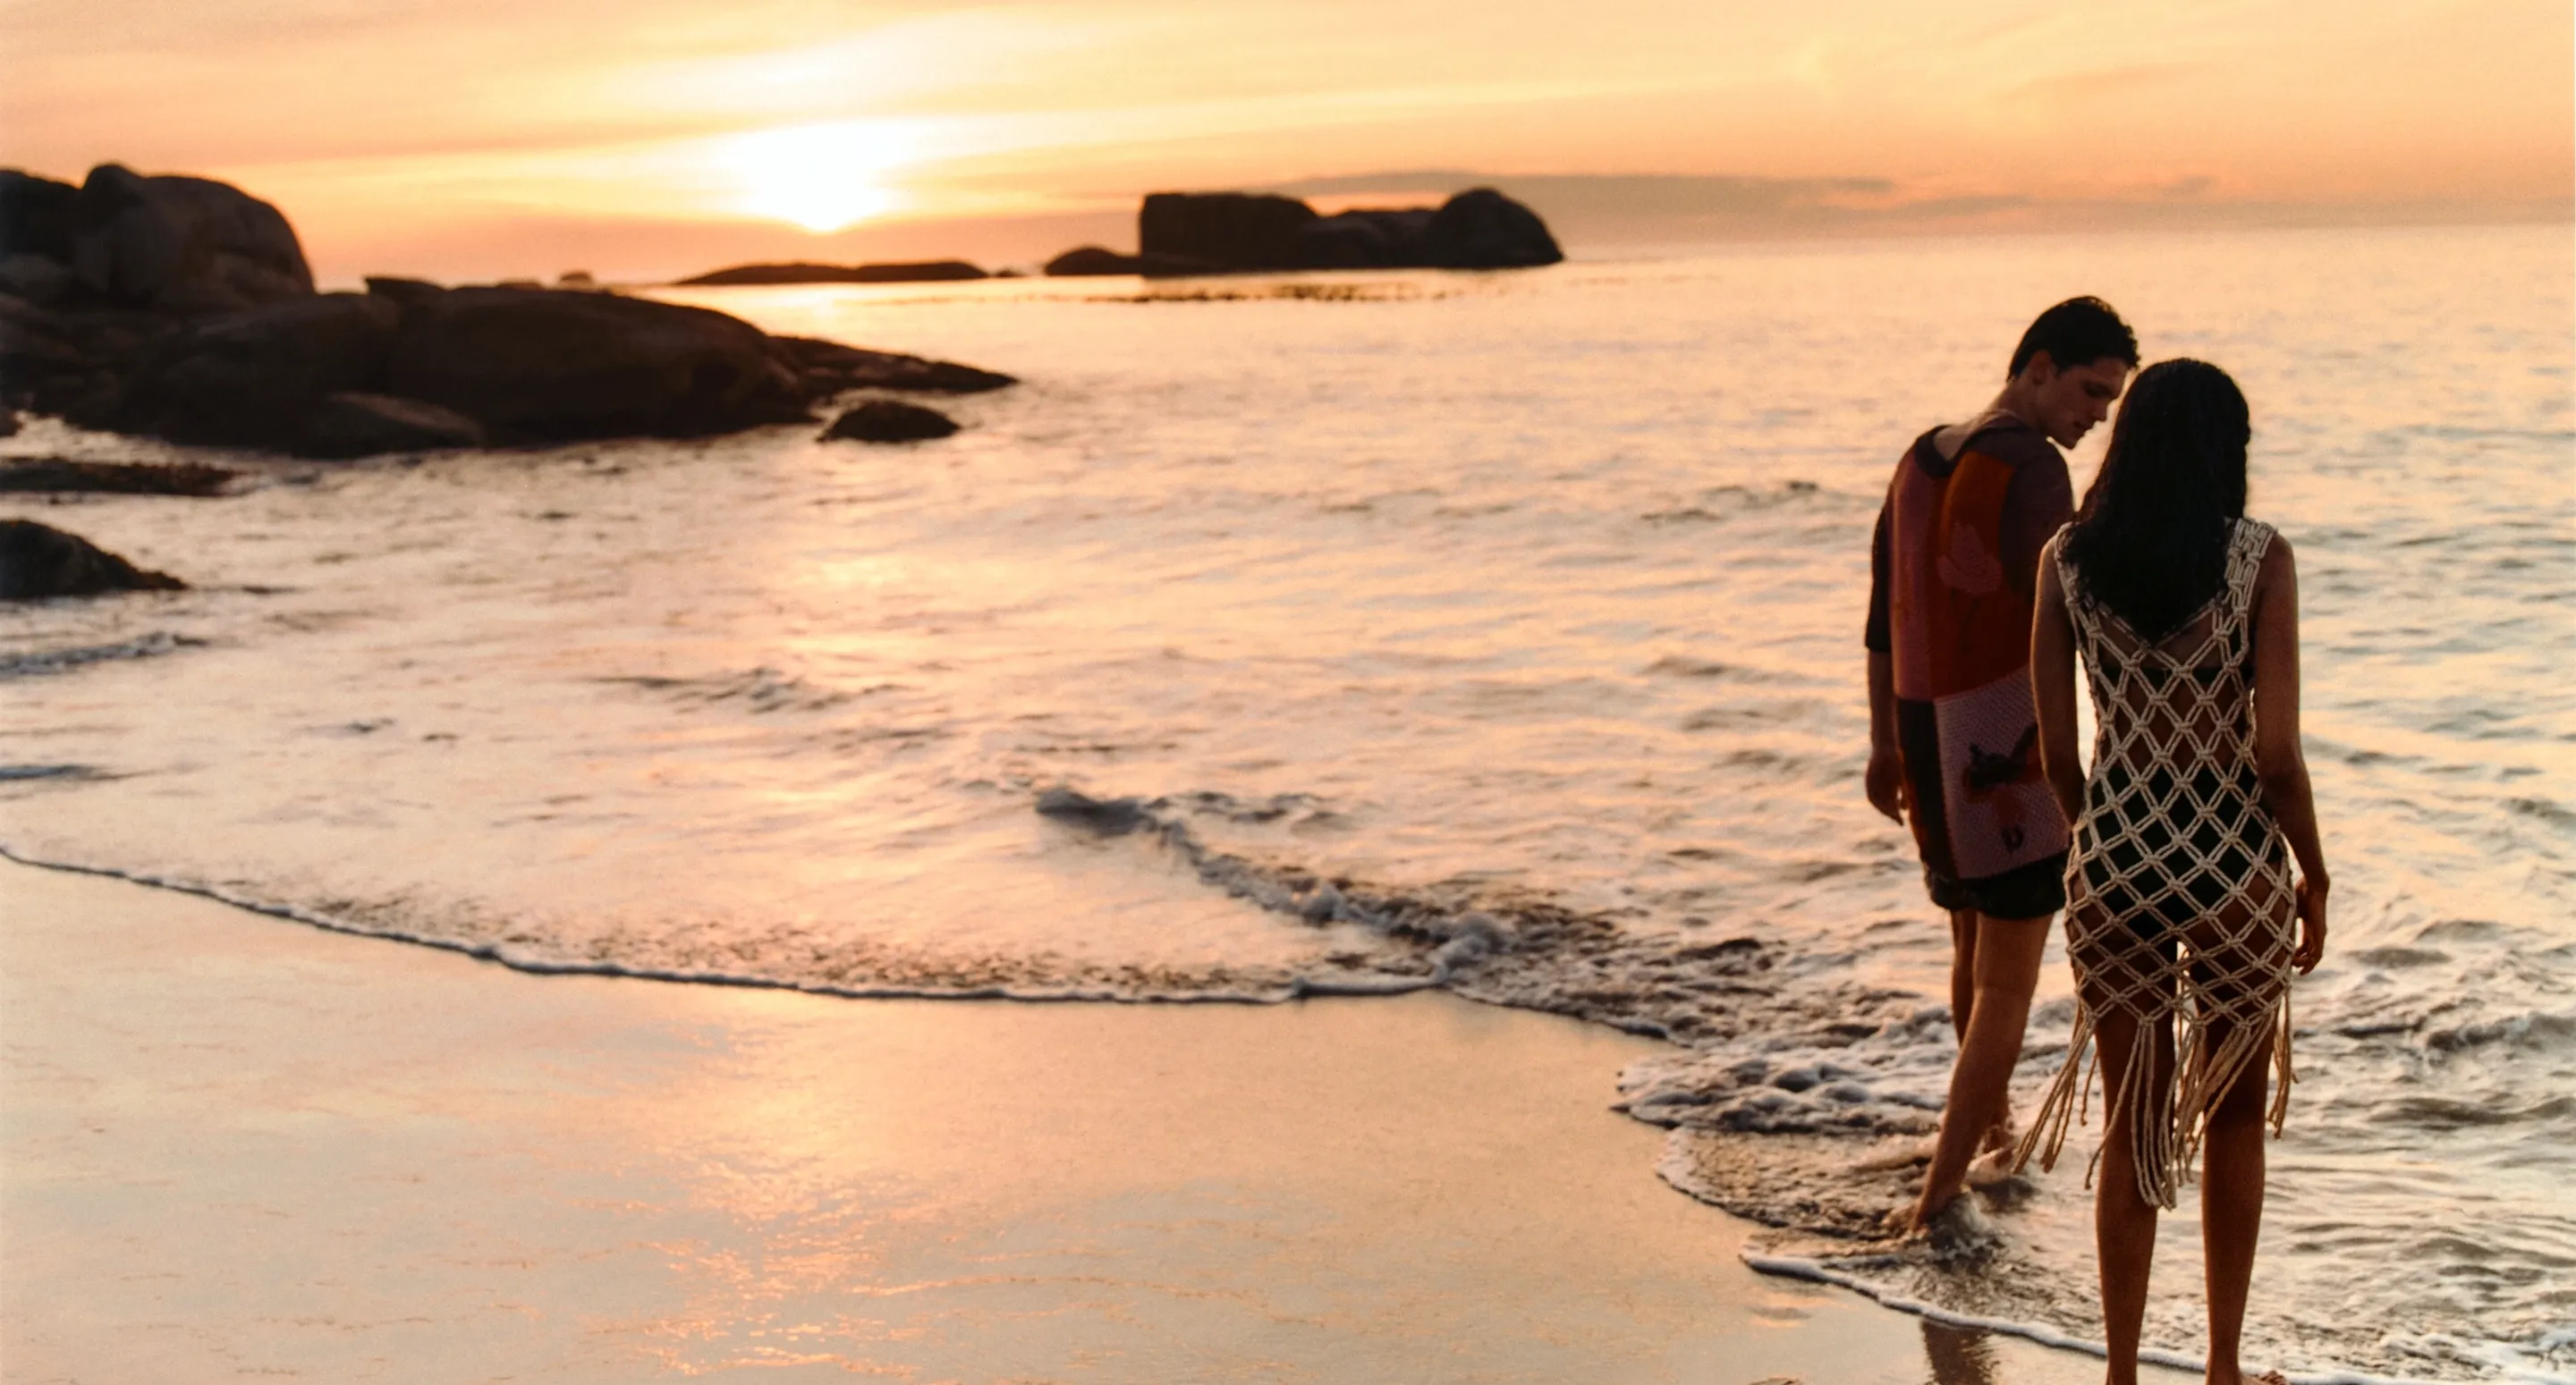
2179 902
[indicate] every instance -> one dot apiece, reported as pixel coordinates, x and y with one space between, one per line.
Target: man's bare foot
1900 1222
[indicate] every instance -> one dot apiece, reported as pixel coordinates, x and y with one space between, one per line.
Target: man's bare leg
2006 971
1963 971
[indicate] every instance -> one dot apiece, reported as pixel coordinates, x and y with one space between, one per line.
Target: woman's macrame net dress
2179 901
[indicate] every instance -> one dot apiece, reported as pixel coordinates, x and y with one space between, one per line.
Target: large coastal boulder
1222 231
1482 229
250 378
39 560
183 245
36 216
540 365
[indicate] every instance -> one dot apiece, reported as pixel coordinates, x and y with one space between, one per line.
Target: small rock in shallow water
887 420
1110 817
116 478
38 560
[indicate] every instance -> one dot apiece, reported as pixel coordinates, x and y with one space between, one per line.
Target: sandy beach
235 1145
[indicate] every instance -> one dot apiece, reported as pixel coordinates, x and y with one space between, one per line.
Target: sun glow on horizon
823 178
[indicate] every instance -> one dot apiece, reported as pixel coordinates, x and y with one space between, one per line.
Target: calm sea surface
1493 632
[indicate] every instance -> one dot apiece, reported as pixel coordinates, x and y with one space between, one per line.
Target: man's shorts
2024 892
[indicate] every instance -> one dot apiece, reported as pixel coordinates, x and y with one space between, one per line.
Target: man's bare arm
1885 779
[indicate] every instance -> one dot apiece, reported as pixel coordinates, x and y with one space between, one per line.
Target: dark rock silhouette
917 271
888 420
1086 260
36 216
1482 229
66 475
181 308
1092 260
1235 232
356 424
188 245
542 365
248 378
1222 230
38 560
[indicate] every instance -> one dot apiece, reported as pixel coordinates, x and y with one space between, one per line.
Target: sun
821 177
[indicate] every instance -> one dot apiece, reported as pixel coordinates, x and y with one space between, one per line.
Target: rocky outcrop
909 272
889 420
38 560
1235 232
180 308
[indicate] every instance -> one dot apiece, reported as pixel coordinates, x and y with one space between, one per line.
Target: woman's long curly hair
2150 540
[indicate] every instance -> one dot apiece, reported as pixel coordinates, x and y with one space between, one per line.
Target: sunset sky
649 137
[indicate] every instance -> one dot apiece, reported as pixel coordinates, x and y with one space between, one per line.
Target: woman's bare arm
2052 686
2277 753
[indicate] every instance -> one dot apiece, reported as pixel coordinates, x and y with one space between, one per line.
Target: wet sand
230 1144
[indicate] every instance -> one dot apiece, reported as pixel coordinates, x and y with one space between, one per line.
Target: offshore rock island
183 309
1187 233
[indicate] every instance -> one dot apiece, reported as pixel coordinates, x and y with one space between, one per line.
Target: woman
2179 899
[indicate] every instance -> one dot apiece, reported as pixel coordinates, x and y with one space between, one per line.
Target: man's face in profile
2071 401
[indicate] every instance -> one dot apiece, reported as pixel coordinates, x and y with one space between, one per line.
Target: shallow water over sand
1494 632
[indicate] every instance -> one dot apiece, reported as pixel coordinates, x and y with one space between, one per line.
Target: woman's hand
2312 925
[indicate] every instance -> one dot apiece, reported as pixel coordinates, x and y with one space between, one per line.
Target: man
1953 737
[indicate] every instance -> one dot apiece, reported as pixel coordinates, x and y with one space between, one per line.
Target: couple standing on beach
2183 922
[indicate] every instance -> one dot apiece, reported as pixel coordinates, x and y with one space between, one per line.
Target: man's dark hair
2077 332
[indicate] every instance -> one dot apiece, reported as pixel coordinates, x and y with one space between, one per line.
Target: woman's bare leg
2124 1223
2231 1209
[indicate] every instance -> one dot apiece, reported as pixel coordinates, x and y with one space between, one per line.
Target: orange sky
642 138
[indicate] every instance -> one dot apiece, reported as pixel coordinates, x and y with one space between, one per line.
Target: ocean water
1360 633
